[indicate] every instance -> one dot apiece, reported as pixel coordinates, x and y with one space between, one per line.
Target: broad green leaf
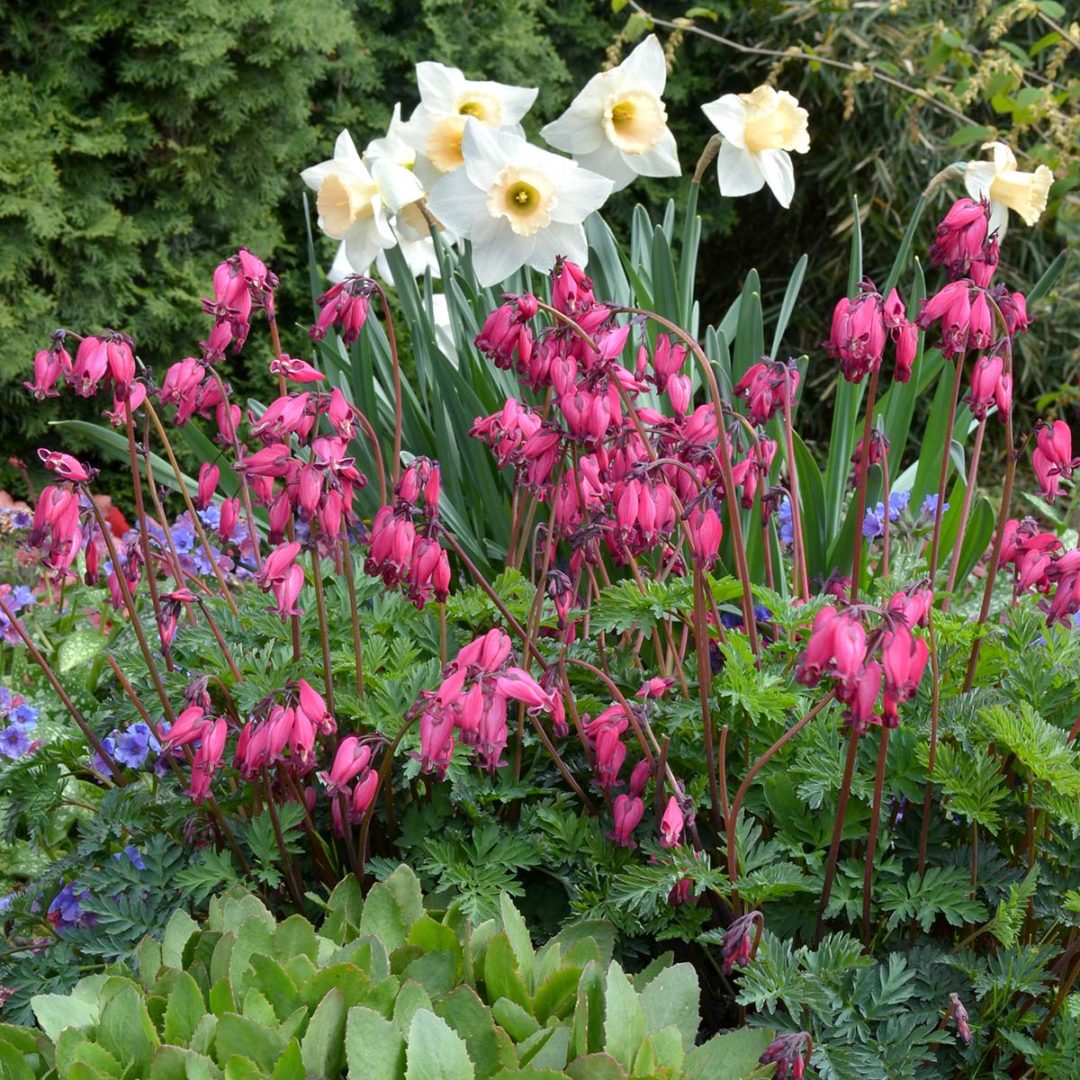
672 999
595 1067
184 1010
435 1051
732 1056
125 1028
489 1047
244 1038
323 1043
54 1012
624 1023
518 935
374 1047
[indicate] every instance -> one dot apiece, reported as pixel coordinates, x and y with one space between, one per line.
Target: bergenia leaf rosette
518 205
1007 187
355 202
617 125
760 130
447 101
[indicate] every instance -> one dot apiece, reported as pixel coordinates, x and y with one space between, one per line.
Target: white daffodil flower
1007 187
447 100
617 125
760 131
518 204
355 202
392 146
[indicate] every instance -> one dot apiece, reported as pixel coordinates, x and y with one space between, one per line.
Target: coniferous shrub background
139 138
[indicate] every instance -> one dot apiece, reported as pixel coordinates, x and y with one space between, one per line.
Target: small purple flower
21 597
14 741
24 715
98 762
133 745
66 909
134 856
784 526
874 522
898 503
929 505
7 699
741 940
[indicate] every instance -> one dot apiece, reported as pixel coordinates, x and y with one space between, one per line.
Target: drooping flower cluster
473 700
1052 459
242 285
885 664
861 327
404 537
1041 564
622 477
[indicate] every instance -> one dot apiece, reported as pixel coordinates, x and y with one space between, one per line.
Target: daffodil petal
487 152
457 202
978 176
646 65
1003 157
439 85
345 149
361 247
575 132
497 251
661 160
579 192
738 171
779 174
563 239
314 175
610 161
999 219
340 268
728 115
397 185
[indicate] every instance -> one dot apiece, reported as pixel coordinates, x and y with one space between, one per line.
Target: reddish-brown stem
324 628
886 495
862 479
724 455
871 839
195 521
969 491
62 694
133 614
144 533
350 582
126 686
326 871
245 490
395 364
701 646
802 585
376 451
1003 517
286 859
935 663
219 638
838 830
762 761
725 806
